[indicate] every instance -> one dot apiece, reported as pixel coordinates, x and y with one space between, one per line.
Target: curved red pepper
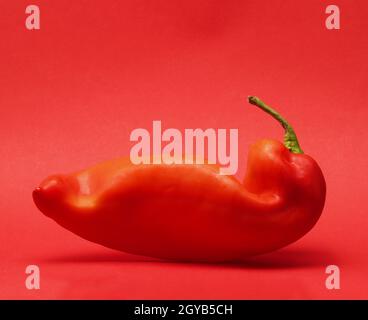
190 212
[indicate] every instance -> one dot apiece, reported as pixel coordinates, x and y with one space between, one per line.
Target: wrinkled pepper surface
190 212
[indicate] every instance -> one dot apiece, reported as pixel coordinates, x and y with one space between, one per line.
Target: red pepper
190 212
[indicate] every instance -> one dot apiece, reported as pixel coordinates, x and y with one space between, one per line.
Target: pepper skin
190 212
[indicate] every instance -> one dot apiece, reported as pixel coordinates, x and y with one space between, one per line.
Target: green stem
290 139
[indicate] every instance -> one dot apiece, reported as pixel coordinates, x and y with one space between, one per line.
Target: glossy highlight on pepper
189 211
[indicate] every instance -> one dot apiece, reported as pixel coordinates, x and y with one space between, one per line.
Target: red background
71 93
